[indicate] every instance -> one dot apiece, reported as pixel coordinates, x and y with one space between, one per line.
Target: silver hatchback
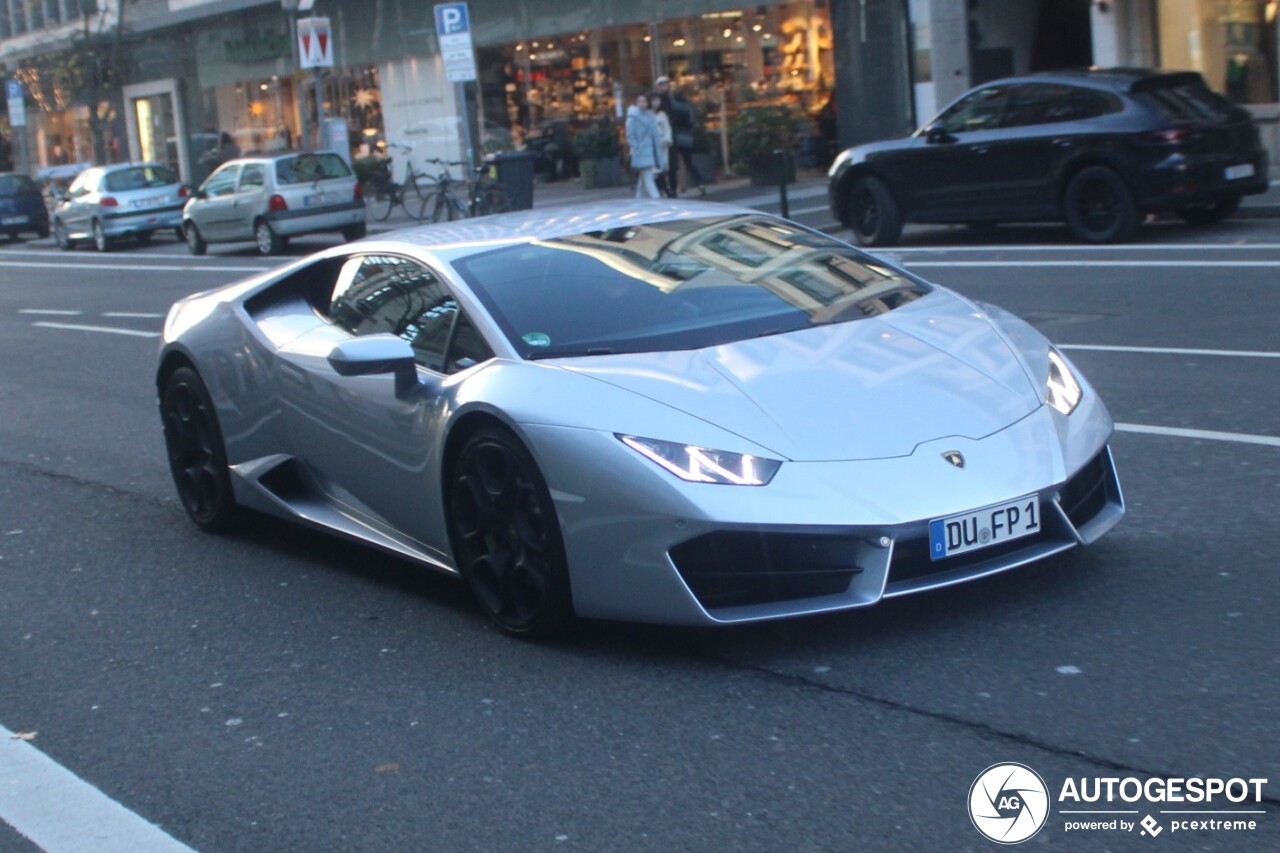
272 197
107 203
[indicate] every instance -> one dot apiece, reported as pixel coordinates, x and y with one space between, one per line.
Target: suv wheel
1098 207
873 213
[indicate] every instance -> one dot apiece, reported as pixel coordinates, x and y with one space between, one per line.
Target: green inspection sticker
537 339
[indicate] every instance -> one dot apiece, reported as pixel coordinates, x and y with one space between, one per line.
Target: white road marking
1078 263
802 211
61 813
1238 353
1205 434
55 311
76 327
132 267
133 314
1127 247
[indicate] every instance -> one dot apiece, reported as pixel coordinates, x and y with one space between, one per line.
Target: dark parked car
1097 149
22 207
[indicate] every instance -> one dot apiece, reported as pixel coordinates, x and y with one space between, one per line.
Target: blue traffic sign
13 89
452 19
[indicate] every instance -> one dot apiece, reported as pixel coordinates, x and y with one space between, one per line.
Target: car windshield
14 184
308 168
681 284
139 178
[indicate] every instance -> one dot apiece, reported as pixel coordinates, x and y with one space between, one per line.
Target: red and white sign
315 43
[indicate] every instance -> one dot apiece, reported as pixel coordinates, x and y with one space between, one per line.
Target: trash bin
515 173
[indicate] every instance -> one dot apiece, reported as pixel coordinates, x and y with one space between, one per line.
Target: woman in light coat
665 183
645 142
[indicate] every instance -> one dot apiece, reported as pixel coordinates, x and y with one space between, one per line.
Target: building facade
185 72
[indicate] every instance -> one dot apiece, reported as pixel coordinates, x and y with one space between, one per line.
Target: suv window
252 177
384 293
307 168
980 110
139 178
1051 103
222 182
1187 101
14 184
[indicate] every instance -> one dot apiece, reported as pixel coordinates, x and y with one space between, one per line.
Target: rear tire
1098 207
144 237
197 455
354 232
506 537
195 243
101 241
1209 214
874 215
269 242
180 234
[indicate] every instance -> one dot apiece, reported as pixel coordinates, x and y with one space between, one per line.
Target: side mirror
57 193
375 354
196 192
937 135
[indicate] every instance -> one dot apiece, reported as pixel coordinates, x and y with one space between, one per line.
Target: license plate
984 527
152 201
13 220
1244 170
320 198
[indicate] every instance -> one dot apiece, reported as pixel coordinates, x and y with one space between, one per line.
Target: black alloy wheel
873 213
1098 207
506 538
197 456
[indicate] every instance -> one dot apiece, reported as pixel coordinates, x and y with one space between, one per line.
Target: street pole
299 80
319 110
460 96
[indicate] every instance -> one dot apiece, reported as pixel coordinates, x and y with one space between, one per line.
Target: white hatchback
272 197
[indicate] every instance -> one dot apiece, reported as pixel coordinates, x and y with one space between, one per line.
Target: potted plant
755 134
598 154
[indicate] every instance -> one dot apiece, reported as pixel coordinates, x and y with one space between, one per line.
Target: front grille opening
740 568
1083 496
911 560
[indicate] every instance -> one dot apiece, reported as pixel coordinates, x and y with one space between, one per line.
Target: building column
949 31
873 91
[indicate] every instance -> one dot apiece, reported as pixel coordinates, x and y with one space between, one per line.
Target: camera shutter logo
1008 803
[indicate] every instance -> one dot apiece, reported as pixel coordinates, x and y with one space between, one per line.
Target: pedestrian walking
645 143
683 123
664 178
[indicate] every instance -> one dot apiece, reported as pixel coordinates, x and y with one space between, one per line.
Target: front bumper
822 536
291 223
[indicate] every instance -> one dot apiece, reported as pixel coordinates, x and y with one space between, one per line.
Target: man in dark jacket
683 121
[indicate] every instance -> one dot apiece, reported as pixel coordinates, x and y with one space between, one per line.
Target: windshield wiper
541 354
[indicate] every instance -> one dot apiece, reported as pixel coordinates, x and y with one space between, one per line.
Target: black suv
1094 148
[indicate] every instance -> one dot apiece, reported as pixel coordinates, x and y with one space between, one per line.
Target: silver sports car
664 412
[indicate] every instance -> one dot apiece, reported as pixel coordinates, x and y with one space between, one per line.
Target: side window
221 182
980 110
252 177
1051 103
466 348
391 294
79 186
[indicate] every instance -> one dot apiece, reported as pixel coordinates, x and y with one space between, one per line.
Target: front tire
874 215
62 238
506 537
1209 214
269 242
1098 207
195 242
197 455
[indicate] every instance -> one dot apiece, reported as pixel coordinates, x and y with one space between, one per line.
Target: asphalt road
280 690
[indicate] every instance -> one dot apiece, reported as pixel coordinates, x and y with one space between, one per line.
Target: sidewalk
1265 205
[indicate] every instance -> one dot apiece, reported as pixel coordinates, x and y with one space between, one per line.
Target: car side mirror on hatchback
936 134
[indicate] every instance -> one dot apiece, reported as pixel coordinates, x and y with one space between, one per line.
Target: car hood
871 388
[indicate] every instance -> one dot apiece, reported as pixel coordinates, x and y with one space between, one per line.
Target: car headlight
1063 390
703 465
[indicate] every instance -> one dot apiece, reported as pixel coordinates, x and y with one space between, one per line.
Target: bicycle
382 194
484 195
421 183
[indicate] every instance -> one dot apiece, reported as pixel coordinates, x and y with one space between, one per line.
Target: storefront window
1231 42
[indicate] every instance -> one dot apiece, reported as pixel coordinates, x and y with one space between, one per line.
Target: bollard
780 163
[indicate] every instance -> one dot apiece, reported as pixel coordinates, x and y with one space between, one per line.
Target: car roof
259 156
120 167
1113 79
456 240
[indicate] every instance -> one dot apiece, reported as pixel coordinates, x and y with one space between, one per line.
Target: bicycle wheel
492 199
448 207
424 210
381 200
421 185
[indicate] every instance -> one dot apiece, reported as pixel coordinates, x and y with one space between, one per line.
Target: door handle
981 150
1062 143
